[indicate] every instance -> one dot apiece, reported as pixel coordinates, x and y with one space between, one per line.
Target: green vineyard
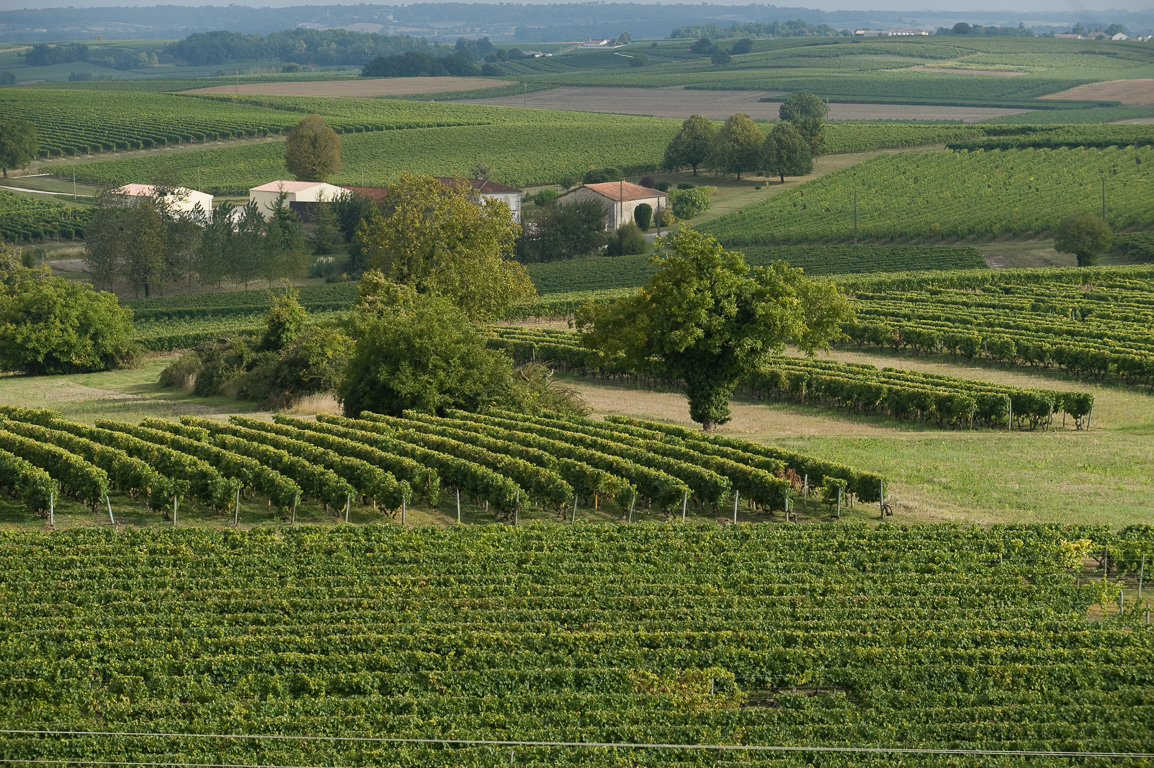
24 218
507 464
946 401
359 645
632 271
953 194
1090 323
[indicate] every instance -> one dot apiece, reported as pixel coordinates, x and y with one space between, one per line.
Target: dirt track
361 89
718 105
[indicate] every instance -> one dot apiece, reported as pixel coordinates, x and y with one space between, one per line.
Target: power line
567 744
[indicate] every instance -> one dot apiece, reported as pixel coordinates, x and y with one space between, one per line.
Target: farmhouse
266 195
619 198
180 200
480 189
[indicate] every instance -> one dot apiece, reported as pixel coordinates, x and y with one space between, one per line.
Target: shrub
647 181
602 175
643 214
628 241
662 186
686 185
545 197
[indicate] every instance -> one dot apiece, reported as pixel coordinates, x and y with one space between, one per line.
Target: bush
643 214
687 203
602 175
648 182
686 185
545 197
628 241
662 186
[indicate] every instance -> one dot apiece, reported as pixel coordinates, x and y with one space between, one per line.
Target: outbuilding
266 195
181 201
619 199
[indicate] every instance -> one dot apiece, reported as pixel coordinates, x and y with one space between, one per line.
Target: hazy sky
963 8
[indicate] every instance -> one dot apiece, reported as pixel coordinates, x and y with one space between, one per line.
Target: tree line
740 146
303 46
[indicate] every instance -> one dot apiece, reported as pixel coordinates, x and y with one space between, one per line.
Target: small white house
619 199
182 201
490 190
266 195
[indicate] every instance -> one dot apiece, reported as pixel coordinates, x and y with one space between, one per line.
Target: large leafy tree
807 111
737 146
313 150
1084 236
441 240
785 153
18 144
707 319
418 352
690 145
52 325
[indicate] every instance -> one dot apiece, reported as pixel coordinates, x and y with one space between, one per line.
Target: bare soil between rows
369 88
718 105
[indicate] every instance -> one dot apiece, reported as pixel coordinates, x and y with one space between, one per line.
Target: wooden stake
293 519
458 506
403 509
839 502
236 509
1141 575
574 508
108 501
736 496
52 517
805 492
882 498
174 510
632 502
348 503
517 508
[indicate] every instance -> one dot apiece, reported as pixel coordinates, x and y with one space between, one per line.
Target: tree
629 240
702 45
561 231
720 57
744 45
962 28
324 233
785 153
643 214
285 254
18 144
690 146
807 113
1084 236
439 239
313 150
418 352
706 319
737 146
49 325
284 321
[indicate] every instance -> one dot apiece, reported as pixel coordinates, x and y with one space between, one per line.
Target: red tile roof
624 191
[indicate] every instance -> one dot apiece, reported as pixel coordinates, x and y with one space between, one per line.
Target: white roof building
266 195
182 201
619 199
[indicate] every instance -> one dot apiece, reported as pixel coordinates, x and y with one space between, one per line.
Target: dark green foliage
1085 237
545 197
562 231
690 146
786 153
720 57
284 321
744 45
324 229
627 241
737 146
421 64
50 325
420 352
705 319
643 215
807 113
687 203
602 175
18 144
312 363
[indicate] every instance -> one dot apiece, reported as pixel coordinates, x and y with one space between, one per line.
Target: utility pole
1103 194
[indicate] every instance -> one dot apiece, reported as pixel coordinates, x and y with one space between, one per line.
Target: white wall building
266 195
491 190
182 201
619 199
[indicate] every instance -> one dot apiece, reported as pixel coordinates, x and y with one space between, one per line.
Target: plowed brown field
1138 93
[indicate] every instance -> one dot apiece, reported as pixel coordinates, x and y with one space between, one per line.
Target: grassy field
1102 476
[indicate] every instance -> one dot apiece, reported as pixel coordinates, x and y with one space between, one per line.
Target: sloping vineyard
953 194
632 271
789 636
1089 324
27 218
506 463
945 401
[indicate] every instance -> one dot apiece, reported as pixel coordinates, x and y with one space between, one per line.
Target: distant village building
890 32
595 44
1120 36
180 200
266 195
619 198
